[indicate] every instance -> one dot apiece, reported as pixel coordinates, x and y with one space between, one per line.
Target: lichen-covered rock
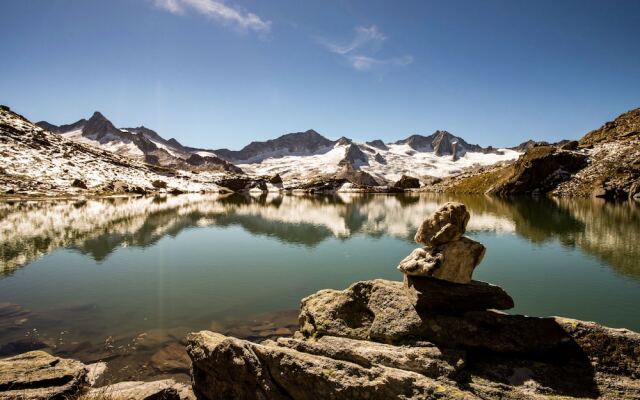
230 368
439 295
615 351
453 261
448 223
37 375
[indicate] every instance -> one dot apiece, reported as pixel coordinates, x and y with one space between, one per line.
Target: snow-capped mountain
440 154
37 162
295 156
140 143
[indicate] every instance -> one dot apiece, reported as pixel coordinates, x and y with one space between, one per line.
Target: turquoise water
77 275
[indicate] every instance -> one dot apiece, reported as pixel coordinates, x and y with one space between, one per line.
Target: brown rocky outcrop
407 182
541 170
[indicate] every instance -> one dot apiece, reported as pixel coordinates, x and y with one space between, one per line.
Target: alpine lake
123 280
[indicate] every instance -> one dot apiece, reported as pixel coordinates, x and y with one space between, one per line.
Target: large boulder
230 368
383 311
447 224
438 295
452 261
38 375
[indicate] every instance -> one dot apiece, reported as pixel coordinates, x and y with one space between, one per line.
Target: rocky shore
439 334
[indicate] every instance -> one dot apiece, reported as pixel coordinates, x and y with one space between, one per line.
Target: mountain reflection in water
97 227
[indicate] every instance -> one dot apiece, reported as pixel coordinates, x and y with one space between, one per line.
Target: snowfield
398 160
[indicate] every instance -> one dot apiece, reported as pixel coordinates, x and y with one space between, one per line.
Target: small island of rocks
439 334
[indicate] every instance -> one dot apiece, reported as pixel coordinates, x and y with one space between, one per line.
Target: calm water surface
124 279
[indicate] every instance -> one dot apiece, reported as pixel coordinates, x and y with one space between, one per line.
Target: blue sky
216 73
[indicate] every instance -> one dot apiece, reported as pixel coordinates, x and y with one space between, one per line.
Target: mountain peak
97 115
99 128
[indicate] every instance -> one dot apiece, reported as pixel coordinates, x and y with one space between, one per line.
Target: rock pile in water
447 255
438 276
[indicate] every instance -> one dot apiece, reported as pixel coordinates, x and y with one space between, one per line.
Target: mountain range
293 156
93 156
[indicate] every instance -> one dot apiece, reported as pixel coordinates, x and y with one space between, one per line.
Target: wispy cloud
218 11
364 63
364 37
358 52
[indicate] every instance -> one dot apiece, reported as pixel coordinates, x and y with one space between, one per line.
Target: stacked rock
438 276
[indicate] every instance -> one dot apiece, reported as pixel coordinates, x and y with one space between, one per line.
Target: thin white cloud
358 52
364 36
364 63
218 11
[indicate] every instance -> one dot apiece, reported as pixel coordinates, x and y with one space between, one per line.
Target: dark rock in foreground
370 342
440 295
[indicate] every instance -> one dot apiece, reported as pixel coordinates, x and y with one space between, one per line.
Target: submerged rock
38 375
447 224
171 358
453 261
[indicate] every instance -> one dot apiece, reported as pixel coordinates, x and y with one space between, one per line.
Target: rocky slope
604 163
36 162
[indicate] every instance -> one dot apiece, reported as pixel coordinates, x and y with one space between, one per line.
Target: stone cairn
438 275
